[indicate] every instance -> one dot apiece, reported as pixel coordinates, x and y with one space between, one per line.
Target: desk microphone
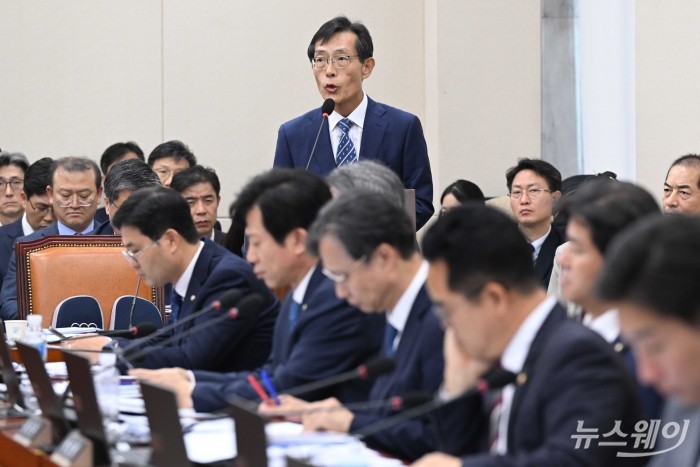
133 301
368 370
326 110
143 329
396 403
494 380
247 306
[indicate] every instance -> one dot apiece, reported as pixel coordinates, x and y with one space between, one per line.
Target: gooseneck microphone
493 380
368 370
133 302
396 403
326 110
141 330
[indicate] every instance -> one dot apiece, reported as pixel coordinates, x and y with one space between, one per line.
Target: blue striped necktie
346 150
390 333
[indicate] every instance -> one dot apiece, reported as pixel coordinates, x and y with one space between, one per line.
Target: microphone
407 401
133 302
247 306
368 370
143 329
326 110
493 380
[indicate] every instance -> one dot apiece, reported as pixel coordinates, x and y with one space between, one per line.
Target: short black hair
154 210
480 244
361 221
76 164
129 174
689 160
37 177
116 151
194 175
175 149
463 191
287 198
14 158
654 264
607 207
542 168
363 44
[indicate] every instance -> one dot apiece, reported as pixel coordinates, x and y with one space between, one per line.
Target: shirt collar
26 227
300 289
357 116
184 281
513 358
607 325
65 230
537 244
398 316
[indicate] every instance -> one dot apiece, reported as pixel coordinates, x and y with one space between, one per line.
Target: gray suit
688 453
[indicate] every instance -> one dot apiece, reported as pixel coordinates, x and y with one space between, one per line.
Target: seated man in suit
597 212
113 154
651 274
681 193
75 186
317 335
38 212
368 248
169 158
123 178
534 186
200 187
12 169
163 246
497 315
359 128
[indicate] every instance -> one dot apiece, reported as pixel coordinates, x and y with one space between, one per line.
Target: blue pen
270 388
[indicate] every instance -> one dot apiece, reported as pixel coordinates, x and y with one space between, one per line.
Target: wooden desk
53 354
13 454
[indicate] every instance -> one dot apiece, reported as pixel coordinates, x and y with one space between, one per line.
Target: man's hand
461 370
93 344
327 415
437 459
290 408
175 379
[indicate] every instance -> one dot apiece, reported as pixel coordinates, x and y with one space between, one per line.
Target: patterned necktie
293 314
390 333
495 410
346 150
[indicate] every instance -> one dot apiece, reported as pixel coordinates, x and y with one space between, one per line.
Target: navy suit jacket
389 136
104 228
572 374
8 307
545 260
8 234
419 367
329 337
219 236
232 345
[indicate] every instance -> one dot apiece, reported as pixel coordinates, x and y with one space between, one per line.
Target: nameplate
36 431
74 451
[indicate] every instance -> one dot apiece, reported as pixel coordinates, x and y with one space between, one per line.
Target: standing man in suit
317 335
681 193
38 212
368 248
651 274
497 314
359 128
163 246
74 190
201 189
534 186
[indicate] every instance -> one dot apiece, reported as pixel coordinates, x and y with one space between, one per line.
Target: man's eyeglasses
320 63
41 207
340 278
65 201
133 256
14 183
532 193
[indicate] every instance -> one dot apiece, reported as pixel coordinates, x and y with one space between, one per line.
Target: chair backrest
144 312
80 311
59 266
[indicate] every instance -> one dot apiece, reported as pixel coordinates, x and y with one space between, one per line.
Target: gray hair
14 158
76 164
129 174
371 176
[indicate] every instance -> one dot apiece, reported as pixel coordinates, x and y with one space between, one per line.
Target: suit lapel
323 154
373 130
191 301
546 256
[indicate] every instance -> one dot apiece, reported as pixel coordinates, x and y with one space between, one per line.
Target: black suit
8 234
545 259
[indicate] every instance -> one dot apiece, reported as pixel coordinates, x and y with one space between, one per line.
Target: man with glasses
38 212
12 169
534 187
73 192
368 248
359 128
169 158
681 193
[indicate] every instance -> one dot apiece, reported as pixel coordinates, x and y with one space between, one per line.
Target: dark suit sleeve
283 156
9 291
417 173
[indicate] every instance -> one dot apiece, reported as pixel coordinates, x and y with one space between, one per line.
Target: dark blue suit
545 259
419 367
652 402
8 307
232 345
329 337
8 234
389 136
104 228
572 374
